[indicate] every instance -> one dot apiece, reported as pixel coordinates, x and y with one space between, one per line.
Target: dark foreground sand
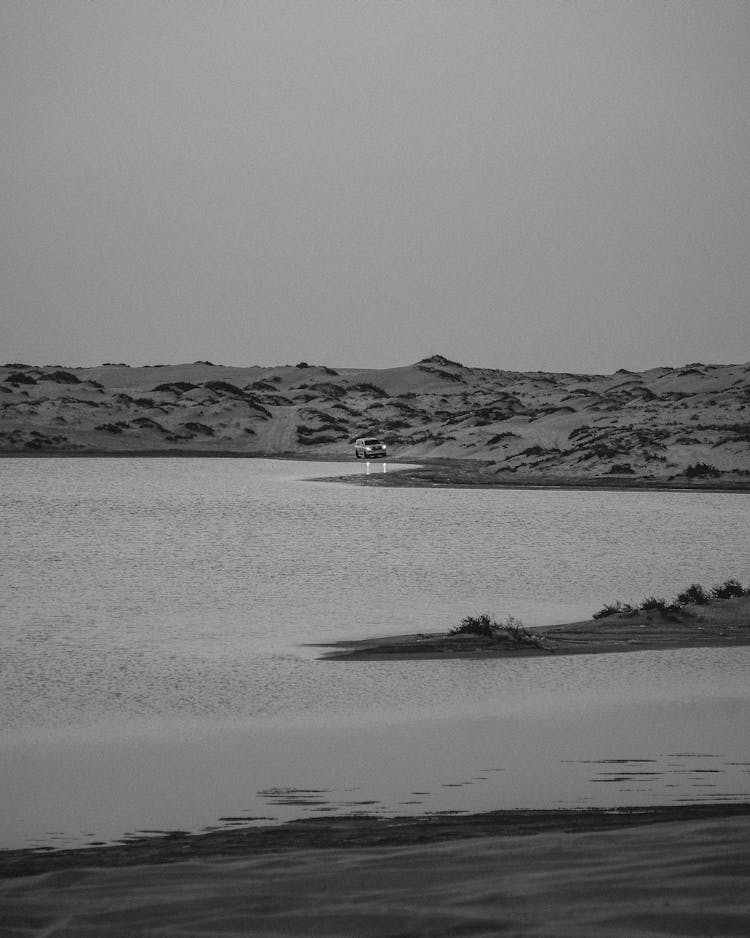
653 876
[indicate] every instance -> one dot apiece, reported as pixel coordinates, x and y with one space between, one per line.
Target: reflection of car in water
369 448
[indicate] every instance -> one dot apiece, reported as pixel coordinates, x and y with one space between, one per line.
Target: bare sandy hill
663 424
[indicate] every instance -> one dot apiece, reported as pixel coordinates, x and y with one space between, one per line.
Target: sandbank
719 623
669 871
483 474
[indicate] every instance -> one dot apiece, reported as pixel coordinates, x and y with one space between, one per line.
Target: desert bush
176 387
702 470
194 427
224 387
729 589
20 378
111 427
61 377
260 386
666 610
653 602
482 624
694 594
365 387
612 609
520 634
439 360
486 626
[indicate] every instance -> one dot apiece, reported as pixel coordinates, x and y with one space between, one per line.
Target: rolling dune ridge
686 425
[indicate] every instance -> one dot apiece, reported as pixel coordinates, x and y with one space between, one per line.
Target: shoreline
430 472
653 871
350 832
719 623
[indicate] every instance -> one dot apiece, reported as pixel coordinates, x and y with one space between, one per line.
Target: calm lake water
158 670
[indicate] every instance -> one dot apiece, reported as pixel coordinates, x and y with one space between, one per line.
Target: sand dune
689 424
677 878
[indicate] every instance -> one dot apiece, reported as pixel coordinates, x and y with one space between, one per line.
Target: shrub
613 609
486 626
666 610
61 377
176 386
477 625
694 594
20 378
521 635
365 387
194 427
653 602
702 470
224 387
729 589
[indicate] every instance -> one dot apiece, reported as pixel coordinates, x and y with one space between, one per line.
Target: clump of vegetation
666 610
224 387
694 594
20 378
702 470
365 387
176 387
487 627
112 427
729 589
613 609
439 360
194 427
482 624
61 377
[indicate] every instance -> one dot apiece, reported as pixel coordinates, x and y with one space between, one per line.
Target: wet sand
673 871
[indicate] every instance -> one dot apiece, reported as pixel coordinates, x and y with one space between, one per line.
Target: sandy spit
674 878
717 624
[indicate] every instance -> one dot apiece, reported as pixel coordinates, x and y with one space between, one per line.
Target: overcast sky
528 185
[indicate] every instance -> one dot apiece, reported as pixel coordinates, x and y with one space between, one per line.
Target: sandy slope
625 426
678 878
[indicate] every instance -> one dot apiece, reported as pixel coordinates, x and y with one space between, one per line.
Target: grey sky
563 186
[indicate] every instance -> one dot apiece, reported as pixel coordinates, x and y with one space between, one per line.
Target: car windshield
372 442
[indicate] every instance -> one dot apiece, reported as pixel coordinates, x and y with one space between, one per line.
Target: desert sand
564 873
676 427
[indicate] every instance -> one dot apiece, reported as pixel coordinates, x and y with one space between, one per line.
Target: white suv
368 447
